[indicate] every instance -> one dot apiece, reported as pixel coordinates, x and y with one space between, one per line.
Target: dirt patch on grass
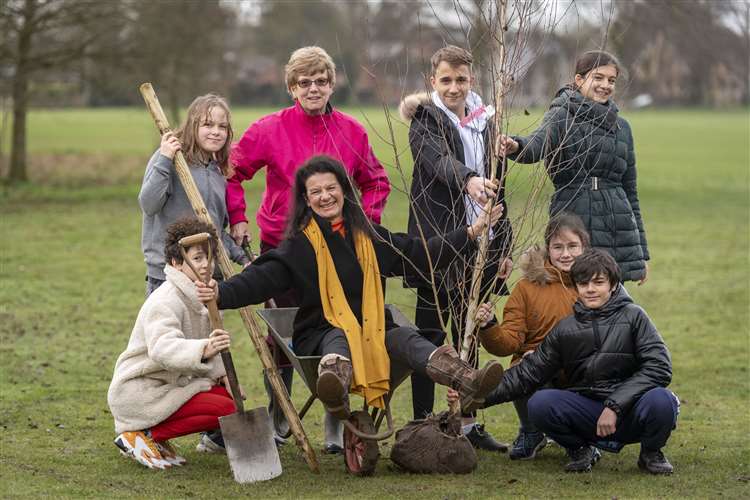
74 170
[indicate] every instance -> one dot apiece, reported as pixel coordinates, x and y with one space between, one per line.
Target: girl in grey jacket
204 138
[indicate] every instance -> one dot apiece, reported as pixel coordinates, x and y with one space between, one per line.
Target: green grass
71 279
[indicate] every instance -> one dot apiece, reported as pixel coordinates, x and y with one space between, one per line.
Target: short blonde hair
453 55
307 61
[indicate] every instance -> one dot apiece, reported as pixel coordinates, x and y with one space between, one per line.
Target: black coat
612 354
293 265
586 145
438 186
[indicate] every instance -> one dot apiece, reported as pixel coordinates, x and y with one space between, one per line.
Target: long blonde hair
187 133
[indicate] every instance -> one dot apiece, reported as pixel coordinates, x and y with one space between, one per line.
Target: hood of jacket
536 267
602 115
408 107
411 103
619 299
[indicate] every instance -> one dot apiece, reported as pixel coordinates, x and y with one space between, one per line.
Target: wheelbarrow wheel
360 455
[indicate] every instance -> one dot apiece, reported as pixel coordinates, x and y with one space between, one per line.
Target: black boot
582 459
654 462
482 440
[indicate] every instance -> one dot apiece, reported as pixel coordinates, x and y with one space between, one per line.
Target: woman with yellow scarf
336 259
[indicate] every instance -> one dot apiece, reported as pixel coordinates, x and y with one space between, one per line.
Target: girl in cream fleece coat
167 382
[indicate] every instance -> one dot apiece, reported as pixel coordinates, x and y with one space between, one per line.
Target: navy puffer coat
588 152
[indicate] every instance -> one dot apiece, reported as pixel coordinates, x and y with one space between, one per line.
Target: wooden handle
226 357
256 337
154 107
194 239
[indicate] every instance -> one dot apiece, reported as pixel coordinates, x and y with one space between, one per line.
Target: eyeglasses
319 82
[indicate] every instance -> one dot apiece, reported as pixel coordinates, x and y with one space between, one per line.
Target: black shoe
582 459
482 440
654 462
527 445
333 449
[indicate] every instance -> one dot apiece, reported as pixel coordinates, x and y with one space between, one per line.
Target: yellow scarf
370 361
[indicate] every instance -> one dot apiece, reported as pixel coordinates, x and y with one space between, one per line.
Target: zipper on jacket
597 345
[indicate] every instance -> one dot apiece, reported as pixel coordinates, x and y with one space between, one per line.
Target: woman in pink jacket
282 142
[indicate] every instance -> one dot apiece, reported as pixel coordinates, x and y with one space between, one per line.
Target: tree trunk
18 172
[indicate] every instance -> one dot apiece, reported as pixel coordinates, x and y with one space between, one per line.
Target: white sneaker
207 445
141 448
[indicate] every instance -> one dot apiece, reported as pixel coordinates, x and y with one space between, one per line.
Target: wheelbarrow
362 429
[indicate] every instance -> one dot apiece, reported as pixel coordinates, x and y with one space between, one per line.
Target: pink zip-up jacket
282 142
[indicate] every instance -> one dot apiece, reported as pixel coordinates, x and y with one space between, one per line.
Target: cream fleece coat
161 368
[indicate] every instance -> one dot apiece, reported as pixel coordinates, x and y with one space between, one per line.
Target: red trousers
200 413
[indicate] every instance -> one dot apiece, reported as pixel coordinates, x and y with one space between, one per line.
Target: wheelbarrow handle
377 436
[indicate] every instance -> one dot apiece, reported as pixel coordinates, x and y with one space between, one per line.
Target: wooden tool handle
256 337
194 239
226 356
154 107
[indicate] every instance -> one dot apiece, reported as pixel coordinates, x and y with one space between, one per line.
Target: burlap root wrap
434 445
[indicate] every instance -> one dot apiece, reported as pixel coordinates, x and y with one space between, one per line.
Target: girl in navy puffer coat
588 152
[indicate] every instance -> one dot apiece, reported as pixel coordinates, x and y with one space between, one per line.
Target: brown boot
446 368
335 376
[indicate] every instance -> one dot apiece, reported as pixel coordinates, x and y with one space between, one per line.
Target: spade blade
250 446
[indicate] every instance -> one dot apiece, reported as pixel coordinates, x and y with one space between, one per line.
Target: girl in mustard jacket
543 297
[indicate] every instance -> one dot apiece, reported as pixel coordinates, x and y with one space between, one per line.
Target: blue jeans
570 419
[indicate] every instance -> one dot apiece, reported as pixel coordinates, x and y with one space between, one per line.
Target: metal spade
248 435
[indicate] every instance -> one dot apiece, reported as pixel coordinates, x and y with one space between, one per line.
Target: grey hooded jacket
163 200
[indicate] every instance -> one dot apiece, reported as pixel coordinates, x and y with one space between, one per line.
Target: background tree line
94 53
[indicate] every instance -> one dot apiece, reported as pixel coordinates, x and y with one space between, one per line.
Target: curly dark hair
186 226
592 262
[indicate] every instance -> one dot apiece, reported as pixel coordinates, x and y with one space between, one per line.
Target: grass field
72 281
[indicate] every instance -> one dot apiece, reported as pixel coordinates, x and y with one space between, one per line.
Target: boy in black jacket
616 368
451 136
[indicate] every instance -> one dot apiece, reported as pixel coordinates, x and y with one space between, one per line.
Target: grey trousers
405 346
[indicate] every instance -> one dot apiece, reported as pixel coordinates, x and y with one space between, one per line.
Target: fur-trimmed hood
537 268
408 107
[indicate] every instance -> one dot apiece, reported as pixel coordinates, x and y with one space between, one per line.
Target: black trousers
427 316
405 346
